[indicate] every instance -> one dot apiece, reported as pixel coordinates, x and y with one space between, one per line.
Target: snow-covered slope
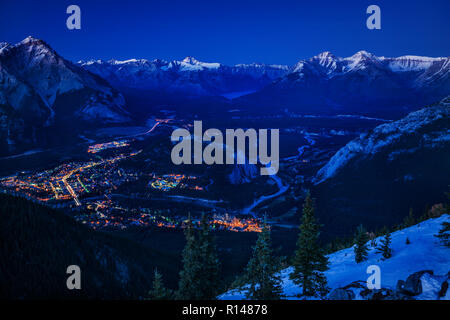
424 252
411 63
386 135
377 178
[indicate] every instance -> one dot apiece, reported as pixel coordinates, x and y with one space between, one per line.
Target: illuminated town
91 191
108 145
171 181
71 181
107 214
227 222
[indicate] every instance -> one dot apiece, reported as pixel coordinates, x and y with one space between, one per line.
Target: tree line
200 275
261 280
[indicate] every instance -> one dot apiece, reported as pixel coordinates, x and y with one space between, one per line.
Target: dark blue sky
243 31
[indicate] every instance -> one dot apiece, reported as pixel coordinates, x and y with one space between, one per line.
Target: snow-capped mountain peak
35 63
30 39
360 61
192 64
328 61
362 54
190 60
324 58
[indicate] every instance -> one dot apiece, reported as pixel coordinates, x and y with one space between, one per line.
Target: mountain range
46 99
188 76
362 83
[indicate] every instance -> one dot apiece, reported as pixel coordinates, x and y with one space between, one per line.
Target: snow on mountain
329 62
361 84
424 252
3 45
192 64
410 63
362 59
363 75
189 75
388 134
51 76
332 65
40 90
258 70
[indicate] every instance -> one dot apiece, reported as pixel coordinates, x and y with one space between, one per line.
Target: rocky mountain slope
40 89
377 177
362 83
424 263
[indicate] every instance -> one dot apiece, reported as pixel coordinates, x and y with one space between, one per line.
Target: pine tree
158 291
209 262
384 247
200 276
310 261
261 271
444 234
409 220
189 285
360 247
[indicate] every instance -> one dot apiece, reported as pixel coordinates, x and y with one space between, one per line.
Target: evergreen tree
200 276
384 247
189 286
261 270
409 220
209 262
158 291
444 234
310 261
360 247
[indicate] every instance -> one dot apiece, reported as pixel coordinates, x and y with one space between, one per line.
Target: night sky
230 31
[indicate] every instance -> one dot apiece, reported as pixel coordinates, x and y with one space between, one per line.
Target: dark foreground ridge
38 244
